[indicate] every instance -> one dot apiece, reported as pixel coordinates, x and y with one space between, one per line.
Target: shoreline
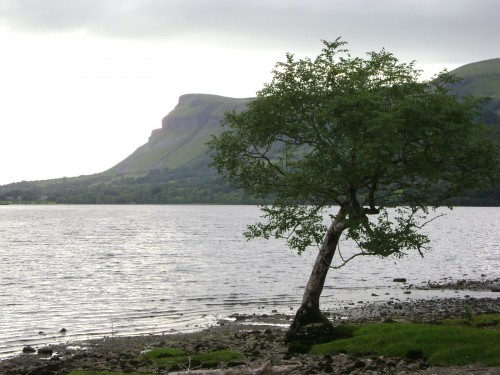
258 337
364 302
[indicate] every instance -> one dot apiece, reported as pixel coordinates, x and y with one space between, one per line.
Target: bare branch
429 221
351 258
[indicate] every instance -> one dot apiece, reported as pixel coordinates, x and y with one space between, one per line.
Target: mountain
172 167
181 141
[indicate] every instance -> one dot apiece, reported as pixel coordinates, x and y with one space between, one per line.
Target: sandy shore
260 338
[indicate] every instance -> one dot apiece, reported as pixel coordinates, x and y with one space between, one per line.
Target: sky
84 82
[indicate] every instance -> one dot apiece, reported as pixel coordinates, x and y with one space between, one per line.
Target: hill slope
481 78
181 141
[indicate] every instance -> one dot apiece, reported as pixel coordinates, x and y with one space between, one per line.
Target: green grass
167 357
103 373
446 344
164 353
479 321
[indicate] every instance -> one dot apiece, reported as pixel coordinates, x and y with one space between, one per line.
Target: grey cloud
442 30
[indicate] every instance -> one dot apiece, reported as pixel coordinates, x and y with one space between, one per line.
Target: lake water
118 270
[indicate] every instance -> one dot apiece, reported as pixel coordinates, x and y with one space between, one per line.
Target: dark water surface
106 270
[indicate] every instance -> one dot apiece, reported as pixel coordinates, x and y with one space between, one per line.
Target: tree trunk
309 317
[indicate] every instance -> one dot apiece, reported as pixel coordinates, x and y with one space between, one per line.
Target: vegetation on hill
181 185
479 78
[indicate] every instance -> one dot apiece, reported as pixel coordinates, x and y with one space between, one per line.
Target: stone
45 351
399 280
29 349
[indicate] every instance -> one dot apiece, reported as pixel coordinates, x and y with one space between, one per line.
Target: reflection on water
103 270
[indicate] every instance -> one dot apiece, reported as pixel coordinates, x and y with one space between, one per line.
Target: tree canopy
358 134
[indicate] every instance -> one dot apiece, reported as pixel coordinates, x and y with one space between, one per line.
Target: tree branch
344 261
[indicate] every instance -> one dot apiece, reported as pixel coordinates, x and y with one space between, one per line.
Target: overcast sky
84 82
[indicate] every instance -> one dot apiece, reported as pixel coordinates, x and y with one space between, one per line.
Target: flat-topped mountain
181 141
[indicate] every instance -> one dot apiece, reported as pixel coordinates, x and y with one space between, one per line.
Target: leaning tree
357 136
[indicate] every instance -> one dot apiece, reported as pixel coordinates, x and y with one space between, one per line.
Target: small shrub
469 313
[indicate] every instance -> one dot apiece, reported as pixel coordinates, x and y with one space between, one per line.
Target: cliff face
198 110
181 141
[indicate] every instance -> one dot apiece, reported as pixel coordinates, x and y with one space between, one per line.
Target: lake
122 270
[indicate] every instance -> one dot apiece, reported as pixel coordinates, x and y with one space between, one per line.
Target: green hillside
180 142
480 78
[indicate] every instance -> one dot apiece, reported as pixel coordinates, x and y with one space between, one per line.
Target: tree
357 136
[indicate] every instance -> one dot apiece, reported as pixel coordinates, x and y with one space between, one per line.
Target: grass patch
164 353
450 343
491 321
103 373
170 358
